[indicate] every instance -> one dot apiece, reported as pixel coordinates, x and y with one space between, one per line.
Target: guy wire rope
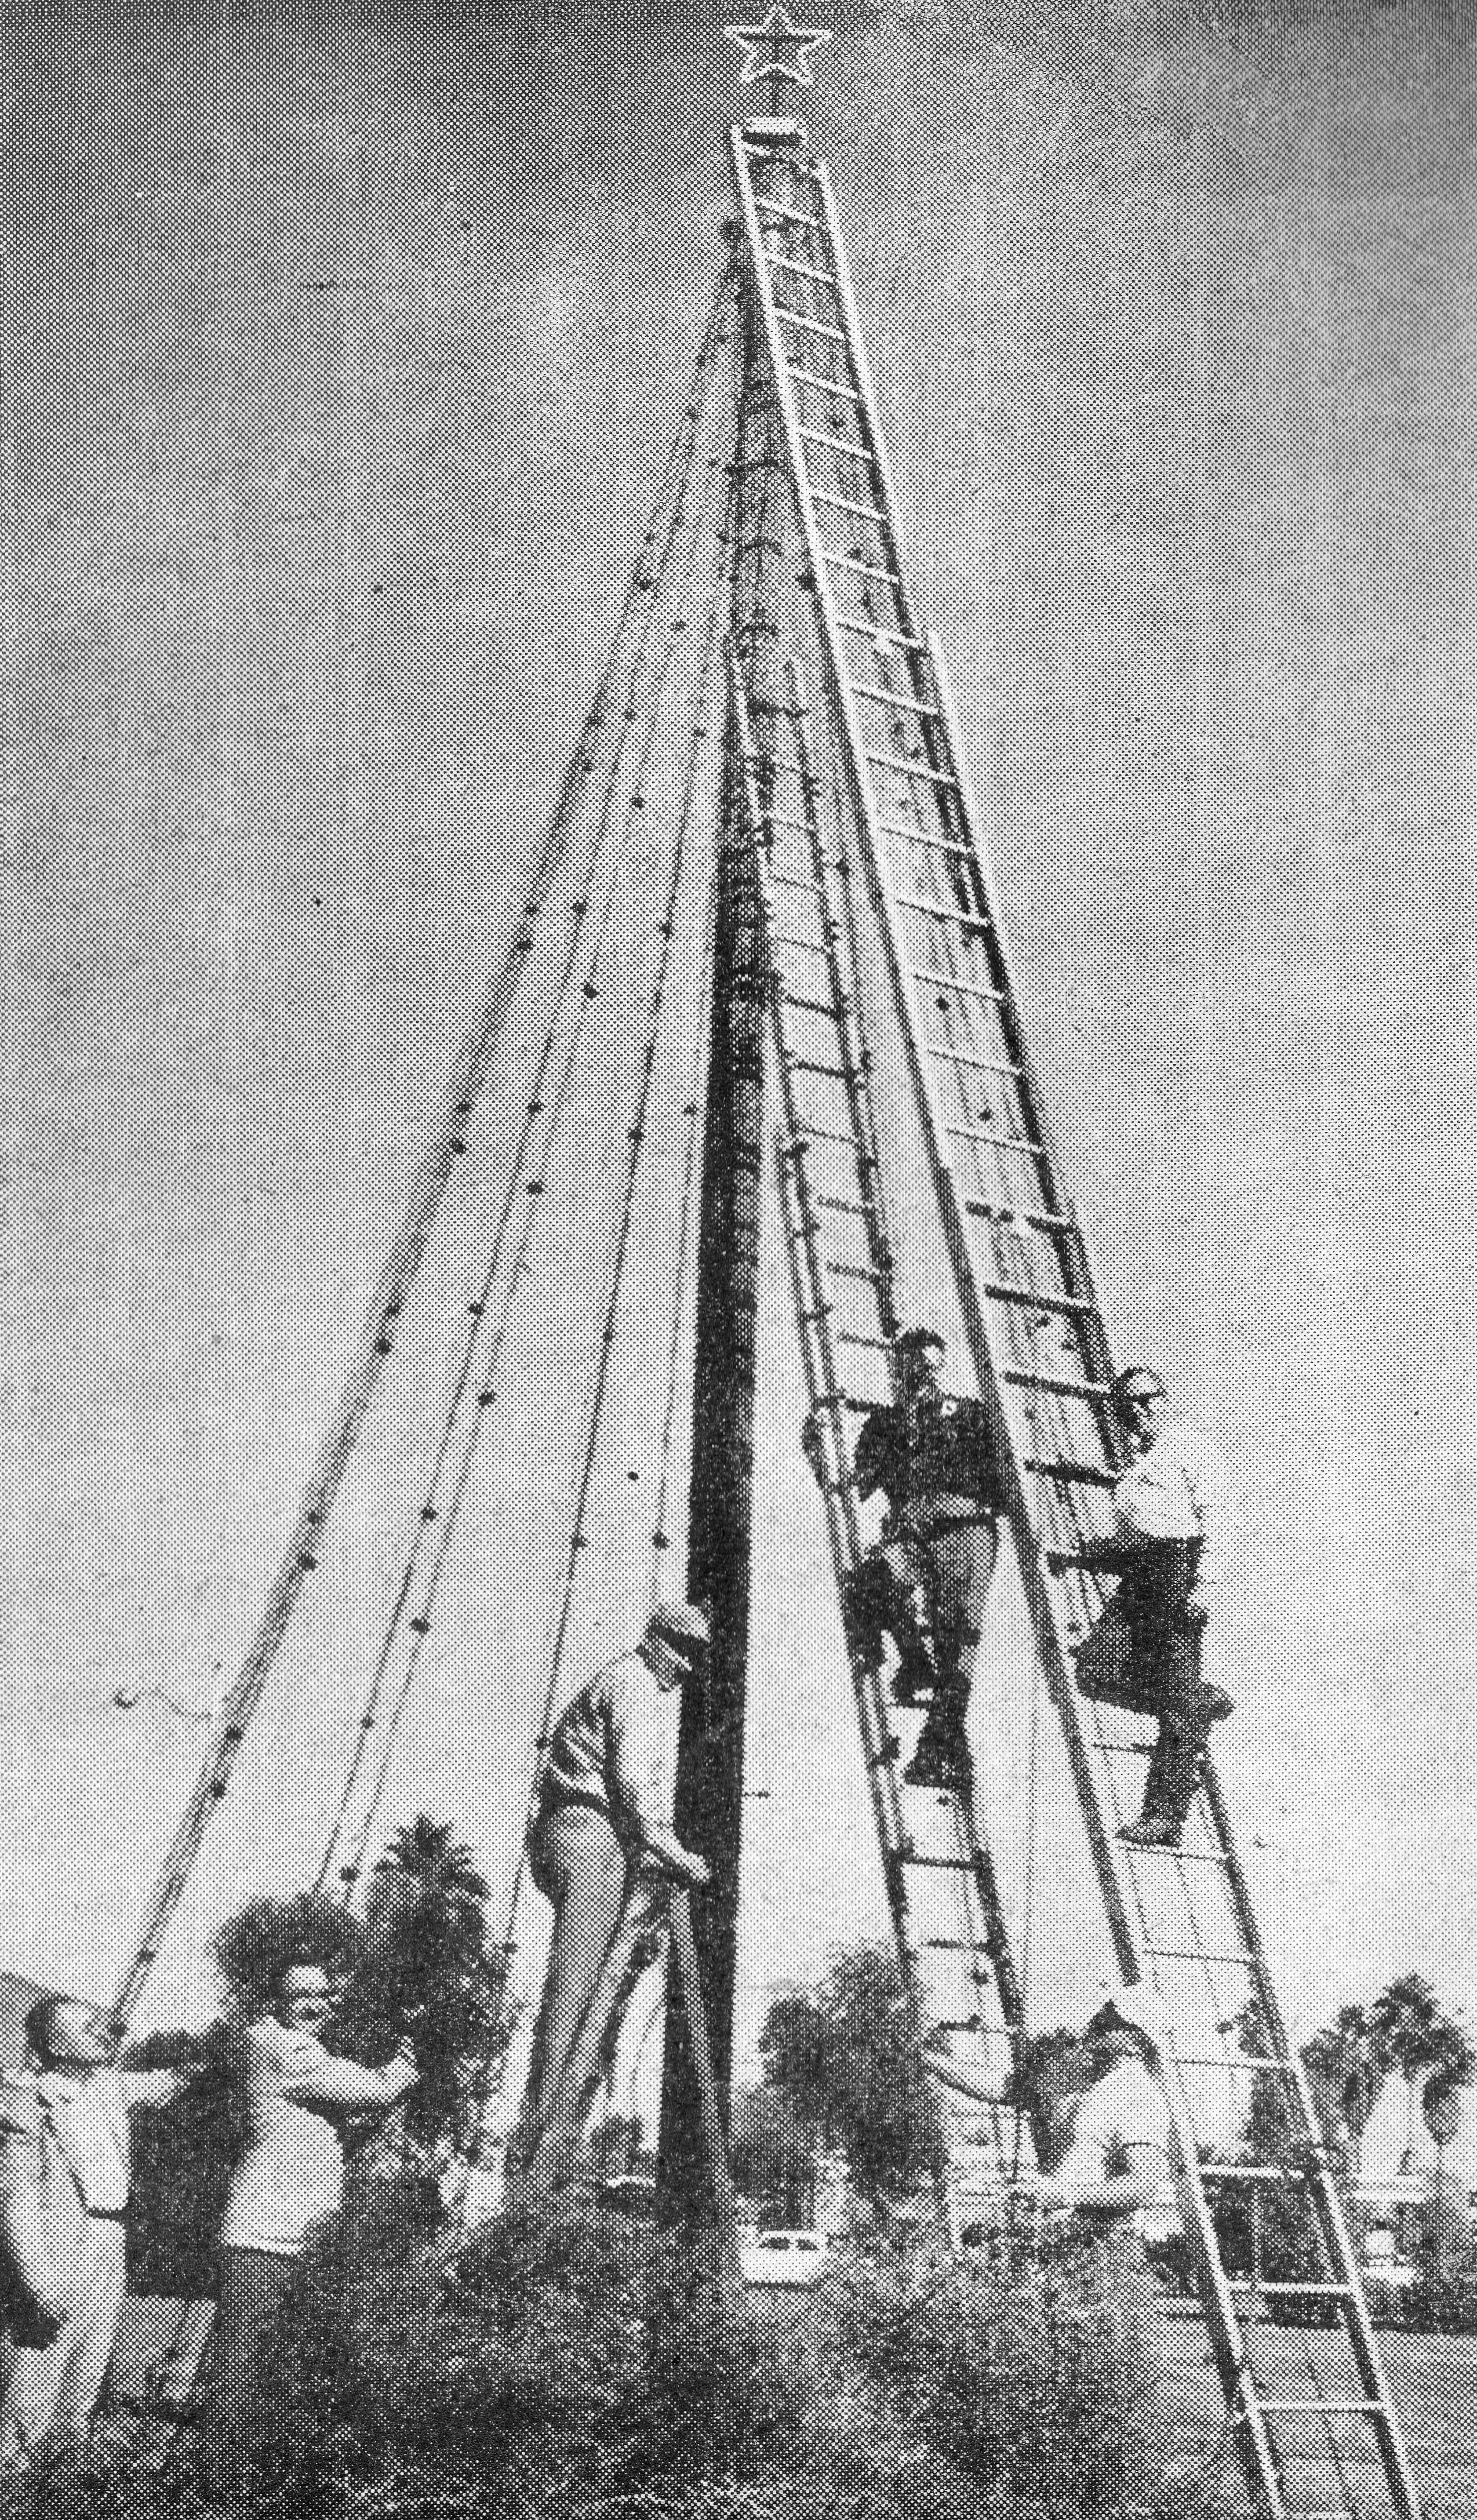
692 1175
430 1513
449 1520
637 1140
240 1700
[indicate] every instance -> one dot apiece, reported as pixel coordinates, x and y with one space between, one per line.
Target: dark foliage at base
575 2362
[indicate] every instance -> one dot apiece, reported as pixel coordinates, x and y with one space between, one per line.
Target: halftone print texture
373 401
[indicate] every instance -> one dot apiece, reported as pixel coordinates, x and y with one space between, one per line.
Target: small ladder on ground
1314 2422
947 1926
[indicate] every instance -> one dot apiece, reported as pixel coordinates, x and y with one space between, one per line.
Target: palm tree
427 1973
1412 2036
1348 2068
426 1868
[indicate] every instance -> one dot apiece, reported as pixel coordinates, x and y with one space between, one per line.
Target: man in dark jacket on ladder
933 1459
1145 1650
602 1827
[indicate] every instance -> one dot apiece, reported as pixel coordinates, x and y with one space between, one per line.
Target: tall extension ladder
948 1925
1181 1922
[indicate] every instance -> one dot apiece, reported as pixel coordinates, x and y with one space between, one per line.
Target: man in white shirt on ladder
1145 1650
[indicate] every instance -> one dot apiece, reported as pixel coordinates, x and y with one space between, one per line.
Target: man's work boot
1155 1828
940 1761
1219 1703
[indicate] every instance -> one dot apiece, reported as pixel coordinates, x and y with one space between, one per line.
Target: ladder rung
935 1863
856 446
803 271
941 909
848 506
777 209
992 1137
861 1339
1247 2283
1043 1219
1003 1293
1186 1854
810 324
968 1059
1083 1473
833 1013
824 385
914 838
797 883
1236 2064
1061 1384
831 1137
915 770
1253 2174
799 945
855 1268
879 630
861 567
965 988
846 1207
1212 1959
895 699
818 1067
1319 2405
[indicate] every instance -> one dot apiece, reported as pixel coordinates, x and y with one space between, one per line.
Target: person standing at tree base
1102 2131
602 1817
287 2186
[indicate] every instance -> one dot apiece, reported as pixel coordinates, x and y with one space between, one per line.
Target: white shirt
89 2117
291 2174
1175 1491
615 1744
1120 2112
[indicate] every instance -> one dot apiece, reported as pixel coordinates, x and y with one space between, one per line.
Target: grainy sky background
342 347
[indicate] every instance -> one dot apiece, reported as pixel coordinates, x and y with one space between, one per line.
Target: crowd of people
603 1852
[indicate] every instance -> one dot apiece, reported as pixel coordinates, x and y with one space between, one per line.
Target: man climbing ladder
926 1584
1145 1650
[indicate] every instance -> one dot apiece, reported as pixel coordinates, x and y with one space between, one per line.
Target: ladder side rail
1328 2204
1082 1278
871 449
1135 1960
987 1930
981 1893
1194 2203
844 984
875 1736
870 413
1126 1943
981 1340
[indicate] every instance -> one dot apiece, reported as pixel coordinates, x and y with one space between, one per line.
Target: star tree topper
779 51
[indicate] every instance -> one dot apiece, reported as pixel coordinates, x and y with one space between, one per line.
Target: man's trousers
1144 1655
600 1908
49 2393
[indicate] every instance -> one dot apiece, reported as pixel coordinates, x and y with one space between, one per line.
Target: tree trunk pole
709 1799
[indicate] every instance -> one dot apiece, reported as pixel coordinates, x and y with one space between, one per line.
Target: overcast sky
342 365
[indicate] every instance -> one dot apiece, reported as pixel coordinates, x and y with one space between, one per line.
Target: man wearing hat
1103 2132
602 1819
1145 1650
933 1460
